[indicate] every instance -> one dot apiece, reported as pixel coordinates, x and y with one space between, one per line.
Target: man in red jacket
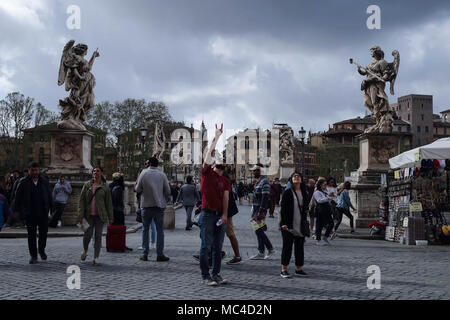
215 191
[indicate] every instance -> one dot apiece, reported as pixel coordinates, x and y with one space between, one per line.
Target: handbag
84 225
304 222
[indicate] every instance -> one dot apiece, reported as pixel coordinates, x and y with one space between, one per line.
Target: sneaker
188 229
140 248
59 224
327 242
269 255
333 236
33 260
84 256
209 282
43 255
235 260
152 245
219 280
301 273
321 243
285 274
313 236
223 253
162 258
259 256
196 257
144 257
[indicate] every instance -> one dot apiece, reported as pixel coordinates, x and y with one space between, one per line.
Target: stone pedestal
71 157
169 218
375 151
71 153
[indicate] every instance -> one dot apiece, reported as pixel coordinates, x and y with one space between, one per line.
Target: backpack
232 207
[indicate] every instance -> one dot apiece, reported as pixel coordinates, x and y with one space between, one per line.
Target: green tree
16 113
101 116
44 116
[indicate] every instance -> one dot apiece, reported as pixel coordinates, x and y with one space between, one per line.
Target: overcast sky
245 63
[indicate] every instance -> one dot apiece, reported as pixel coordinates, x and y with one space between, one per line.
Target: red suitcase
115 238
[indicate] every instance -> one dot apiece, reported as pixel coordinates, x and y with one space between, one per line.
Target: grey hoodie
154 188
61 195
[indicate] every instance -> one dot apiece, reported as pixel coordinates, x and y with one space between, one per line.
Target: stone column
375 151
71 157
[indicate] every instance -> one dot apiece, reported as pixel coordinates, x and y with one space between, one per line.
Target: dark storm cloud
247 63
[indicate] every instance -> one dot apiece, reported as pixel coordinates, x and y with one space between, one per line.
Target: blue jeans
212 237
156 215
153 231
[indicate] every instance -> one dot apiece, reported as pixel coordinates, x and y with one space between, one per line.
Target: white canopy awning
440 150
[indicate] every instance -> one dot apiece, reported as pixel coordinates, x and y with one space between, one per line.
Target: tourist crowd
306 208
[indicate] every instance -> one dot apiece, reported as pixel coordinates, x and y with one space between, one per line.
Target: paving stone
336 272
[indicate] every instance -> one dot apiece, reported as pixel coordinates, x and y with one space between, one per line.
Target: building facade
417 110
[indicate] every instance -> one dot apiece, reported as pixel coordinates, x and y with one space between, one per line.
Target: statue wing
62 67
395 67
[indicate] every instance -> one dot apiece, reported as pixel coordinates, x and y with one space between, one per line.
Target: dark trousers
263 240
288 241
273 202
341 212
59 210
189 210
324 218
33 223
119 218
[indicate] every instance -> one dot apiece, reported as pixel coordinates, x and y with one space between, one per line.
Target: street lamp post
144 132
302 134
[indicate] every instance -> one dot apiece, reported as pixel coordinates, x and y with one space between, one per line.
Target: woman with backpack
294 225
324 212
343 208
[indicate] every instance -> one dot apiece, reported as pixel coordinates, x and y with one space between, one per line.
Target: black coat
287 209
23 200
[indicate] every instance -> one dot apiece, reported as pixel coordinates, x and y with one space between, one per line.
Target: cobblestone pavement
336 272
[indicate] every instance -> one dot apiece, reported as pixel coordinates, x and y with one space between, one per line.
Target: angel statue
377 73
75 72
159 141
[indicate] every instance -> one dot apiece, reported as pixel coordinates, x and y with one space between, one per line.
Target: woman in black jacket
293 225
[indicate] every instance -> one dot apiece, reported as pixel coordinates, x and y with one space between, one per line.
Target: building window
409 117
418 128
426 129
399 106
419 142
423 116
408 105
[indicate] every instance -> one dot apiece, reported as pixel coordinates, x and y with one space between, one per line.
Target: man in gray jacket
189 197
60 195
153 186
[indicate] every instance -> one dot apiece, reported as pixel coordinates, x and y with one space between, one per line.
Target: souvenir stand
416 203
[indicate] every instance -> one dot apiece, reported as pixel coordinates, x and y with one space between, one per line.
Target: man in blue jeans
215 189
153 186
